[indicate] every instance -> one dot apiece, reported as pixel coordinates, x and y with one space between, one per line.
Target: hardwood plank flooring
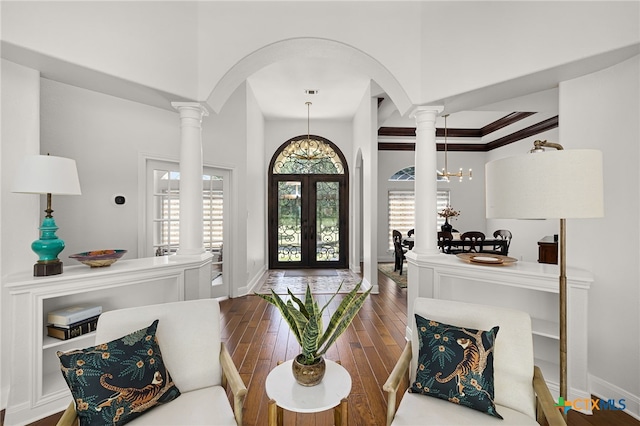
258 338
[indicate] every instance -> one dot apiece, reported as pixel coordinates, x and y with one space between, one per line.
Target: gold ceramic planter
308 375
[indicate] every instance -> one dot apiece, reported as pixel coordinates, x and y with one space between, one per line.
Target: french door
308 221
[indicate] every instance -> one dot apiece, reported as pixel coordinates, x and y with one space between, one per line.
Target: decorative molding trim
540 127
253 284
462 147
459 133
605 390
397 131
505 121
399 146
543 126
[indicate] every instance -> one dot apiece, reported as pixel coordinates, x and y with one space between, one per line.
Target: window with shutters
166 207
402 208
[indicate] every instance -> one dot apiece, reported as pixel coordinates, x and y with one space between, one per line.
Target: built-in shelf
545 328
37 387
526 286
49 342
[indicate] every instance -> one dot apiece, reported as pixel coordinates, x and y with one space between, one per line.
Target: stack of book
73 321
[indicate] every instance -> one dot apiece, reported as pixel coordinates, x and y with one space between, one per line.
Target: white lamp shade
554 184
47 174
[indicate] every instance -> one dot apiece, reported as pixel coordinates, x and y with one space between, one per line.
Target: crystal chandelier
446 174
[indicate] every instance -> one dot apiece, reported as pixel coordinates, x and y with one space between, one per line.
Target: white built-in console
37 386
527 286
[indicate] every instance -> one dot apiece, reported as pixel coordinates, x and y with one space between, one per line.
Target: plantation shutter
402 208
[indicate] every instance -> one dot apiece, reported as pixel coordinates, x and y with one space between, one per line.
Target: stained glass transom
308 156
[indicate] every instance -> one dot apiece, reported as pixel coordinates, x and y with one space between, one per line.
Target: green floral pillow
115 382
456 364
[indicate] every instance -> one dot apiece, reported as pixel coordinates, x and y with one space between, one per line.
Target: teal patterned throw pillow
456 364
115 382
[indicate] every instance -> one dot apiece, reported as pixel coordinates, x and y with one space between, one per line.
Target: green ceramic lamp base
47 248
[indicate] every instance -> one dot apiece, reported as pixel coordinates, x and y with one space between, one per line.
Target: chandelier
446 174
309 149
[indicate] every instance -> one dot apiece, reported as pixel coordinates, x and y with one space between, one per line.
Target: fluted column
426 237
191 114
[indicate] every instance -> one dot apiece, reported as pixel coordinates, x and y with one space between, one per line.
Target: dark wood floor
258 338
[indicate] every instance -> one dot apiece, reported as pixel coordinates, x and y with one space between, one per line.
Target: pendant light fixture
308 149
445 171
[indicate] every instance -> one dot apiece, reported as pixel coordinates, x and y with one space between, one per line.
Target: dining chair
396 235
444 241
398 251
474 237
501 234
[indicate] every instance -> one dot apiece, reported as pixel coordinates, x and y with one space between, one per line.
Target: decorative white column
191 114
426 237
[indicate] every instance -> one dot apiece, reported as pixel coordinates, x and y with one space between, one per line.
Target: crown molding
507 120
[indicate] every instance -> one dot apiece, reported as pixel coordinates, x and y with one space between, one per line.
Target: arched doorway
308 205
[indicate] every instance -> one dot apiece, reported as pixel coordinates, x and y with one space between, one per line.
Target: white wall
609 246
105 135
496 32
225 145
176 46
467 196
526 233
152 43
256 192
20 214
365 139
271 22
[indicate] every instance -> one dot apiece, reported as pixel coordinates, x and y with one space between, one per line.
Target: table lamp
546 185
47 174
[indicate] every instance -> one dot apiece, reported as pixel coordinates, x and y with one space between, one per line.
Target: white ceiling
280 93
280 89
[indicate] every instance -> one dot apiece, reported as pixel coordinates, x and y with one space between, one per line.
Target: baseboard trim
605 390
366 285
250 288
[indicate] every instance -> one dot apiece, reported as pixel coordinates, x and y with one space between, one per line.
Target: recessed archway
300 48
381 80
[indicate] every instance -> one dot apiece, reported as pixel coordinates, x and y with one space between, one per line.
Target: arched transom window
308 156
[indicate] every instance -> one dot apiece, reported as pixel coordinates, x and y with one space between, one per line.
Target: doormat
311 272
277 281
387 269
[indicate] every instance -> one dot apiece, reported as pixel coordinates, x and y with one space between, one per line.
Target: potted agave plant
305 320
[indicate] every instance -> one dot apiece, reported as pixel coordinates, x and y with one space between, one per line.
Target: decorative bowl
98 258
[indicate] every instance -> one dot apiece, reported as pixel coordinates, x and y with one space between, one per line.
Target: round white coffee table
286 394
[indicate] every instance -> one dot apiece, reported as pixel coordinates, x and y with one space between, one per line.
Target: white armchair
521 394
200 365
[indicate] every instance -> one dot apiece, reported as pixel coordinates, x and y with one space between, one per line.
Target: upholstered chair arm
545 406
231 377
69 417
393 381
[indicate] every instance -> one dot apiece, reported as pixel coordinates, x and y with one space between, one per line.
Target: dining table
498 246
457 245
